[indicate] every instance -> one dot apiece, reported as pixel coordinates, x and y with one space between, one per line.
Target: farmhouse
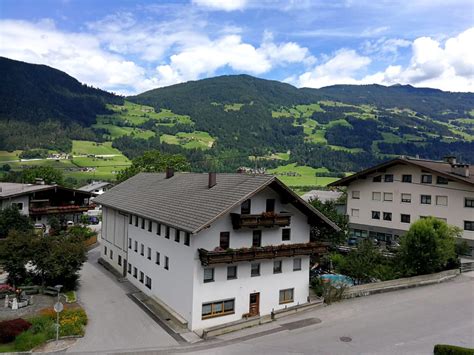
96 188
384 200
40 201
212 247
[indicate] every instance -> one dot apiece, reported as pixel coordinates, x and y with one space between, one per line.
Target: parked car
94 220
352 242
39 228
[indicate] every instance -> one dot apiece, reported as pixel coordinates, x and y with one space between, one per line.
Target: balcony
34 211
268 252
266 219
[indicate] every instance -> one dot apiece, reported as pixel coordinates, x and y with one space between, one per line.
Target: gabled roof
441 168
10 189
185 201
94 186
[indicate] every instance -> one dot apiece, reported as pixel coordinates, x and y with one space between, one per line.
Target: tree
14 255
428 246
6 167
153 161
323 232
48 174
11 219
361 264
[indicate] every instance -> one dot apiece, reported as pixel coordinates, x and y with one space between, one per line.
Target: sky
128 47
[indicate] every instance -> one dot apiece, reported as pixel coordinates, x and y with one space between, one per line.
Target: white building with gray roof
213 248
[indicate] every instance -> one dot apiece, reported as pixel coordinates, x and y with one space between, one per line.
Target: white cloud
340 69
225 5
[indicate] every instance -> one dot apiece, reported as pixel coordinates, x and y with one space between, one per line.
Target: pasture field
304 175
8 156
117 131
233 107
93 148
196 139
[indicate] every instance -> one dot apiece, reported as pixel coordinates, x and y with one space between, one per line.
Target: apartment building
212 247
384 200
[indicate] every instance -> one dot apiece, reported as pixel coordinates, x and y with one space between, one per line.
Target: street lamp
58 307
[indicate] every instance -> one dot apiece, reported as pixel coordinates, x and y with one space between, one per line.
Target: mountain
34 93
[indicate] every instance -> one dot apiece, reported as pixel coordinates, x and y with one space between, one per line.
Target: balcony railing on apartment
266 219
256 253
58 209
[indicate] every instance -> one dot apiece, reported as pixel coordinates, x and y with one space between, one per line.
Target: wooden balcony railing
58 209
260 220
268 252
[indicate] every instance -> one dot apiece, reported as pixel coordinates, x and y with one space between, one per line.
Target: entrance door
254 307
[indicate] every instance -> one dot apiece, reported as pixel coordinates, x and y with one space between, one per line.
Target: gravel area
39 302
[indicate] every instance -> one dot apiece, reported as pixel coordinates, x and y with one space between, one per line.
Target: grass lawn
7 156
7 348
58 164
94 148
102 161
306 175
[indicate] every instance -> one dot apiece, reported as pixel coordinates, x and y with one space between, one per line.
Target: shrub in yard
72 321
443 349
9 329
43 324
28 340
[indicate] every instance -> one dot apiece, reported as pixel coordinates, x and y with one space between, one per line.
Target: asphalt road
410 321
115 322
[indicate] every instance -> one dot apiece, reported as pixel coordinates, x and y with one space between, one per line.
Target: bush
43 324
28 340
10 329
443 349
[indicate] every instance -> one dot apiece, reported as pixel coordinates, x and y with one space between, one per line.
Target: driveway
115 322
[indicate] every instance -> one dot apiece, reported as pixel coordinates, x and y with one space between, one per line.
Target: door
254 307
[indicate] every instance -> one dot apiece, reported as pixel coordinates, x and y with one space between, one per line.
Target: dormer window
245 207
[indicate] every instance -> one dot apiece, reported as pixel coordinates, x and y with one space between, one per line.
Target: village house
96 188
40 201
214 248
384 200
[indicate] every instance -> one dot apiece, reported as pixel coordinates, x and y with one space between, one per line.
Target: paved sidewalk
116 323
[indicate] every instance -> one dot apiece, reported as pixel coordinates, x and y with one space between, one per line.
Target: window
442 200
277 267
120 260
387 216
440 180
136 246
356 195
224 240
405 218
129 243
150 226
148 282
136 221
143 223
469 202
142 277
469 225
129 268
245 207
187 239
142 250
135 271
375 215
148 254
406 178
426 179
255 270
158 228
406 198
257 238
209 274
217 309
376 196
388 196
167 232
355 212
130 219
286 296
377 178
176 235
297 264
105 251
18 205
157 258
111 254
388 178
270 205
231 272
286 234
426 199
167 263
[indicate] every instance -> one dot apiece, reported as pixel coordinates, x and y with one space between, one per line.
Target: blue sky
132 46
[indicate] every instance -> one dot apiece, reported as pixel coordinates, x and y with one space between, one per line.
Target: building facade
248 255
383 201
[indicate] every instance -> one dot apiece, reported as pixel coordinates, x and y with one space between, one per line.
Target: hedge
443 349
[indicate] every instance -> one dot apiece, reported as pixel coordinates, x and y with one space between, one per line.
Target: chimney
450 159
212 179
460 169
39 181
169 173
